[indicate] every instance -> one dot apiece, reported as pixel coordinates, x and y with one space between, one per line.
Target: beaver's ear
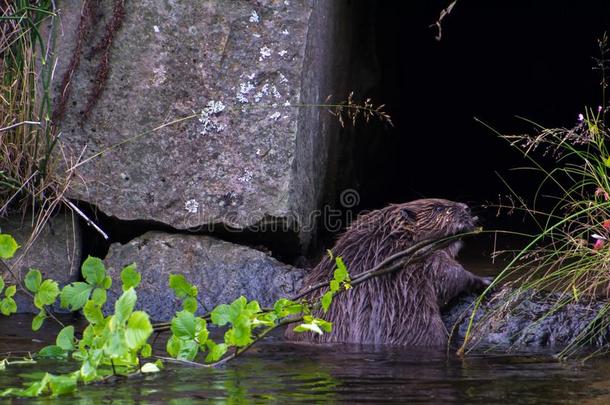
408 214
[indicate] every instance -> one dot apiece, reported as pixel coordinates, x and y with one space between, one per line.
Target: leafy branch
115 345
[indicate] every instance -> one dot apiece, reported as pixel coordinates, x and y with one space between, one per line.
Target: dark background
496 60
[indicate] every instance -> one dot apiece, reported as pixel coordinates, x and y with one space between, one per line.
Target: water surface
279 372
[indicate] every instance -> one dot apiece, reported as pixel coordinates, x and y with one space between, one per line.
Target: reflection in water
279 372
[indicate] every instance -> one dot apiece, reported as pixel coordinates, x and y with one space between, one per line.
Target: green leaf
308 327
1 284
107 283
10 291
8 246
38 320
130 277
124 305
201 331
266 318
216 351
146 350
183 325
190 304
63 384
116 346
75 295
242 331
93 313
253 307
33 280
99 296
284 307
8 306
327 299
221 315
173 346
324 325
334 285
238 306
52 352
65 338
340 273
188 350
35 389
138 330
47 293
94 271
181 287
149 368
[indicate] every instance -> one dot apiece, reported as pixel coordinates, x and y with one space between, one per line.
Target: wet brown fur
401 308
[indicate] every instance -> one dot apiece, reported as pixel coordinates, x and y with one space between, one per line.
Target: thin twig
85 217
19 124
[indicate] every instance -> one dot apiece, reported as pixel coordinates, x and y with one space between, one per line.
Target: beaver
400 308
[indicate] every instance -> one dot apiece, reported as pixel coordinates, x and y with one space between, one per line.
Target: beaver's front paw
482 283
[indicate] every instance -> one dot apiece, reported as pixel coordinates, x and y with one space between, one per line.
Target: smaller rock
221 271
530 319
56 252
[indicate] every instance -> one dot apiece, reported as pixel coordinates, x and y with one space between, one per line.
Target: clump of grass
569 258
27 137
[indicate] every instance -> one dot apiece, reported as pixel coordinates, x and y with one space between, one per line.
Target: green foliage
185 291
8 305
8 246
130 277
45 293
115 344
340 278
75 295
316 325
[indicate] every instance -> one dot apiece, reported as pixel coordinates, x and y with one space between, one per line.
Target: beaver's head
435 218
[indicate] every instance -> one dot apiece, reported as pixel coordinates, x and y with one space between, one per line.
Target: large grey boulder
221 271
56 252
248 154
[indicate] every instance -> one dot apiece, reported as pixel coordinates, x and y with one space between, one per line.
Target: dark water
279 372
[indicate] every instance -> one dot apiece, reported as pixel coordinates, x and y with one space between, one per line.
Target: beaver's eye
438 208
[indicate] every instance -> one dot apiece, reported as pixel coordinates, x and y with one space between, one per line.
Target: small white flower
287 104
156 28
191 206
254 18
265 53
275 116
282 52
285 32
581 117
